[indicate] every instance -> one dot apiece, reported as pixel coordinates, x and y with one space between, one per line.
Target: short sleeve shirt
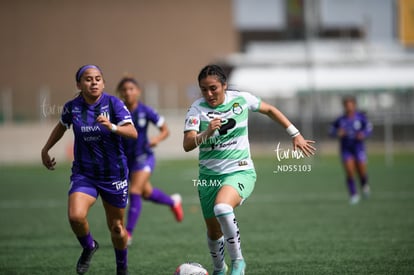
228 150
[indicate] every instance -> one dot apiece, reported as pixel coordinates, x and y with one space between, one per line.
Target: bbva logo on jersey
88 129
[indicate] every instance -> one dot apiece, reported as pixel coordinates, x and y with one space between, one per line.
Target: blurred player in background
352 128
141 159
217 124
100 166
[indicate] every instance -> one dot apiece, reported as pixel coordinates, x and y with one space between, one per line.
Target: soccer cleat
238 267
85 258
177 208
129 241
366 191
120 271
221 272
354 199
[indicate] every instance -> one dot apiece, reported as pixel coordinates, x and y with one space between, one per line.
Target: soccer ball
190 269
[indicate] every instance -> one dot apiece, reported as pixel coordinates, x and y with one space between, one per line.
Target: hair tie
83 69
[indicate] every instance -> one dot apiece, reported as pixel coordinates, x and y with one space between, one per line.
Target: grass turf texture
294 223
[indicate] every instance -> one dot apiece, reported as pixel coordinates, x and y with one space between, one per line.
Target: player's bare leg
119 236
78 208
147 190
138 181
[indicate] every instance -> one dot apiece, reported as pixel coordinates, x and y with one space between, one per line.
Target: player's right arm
336 130
193 136
162 126
54 137
164 132
192 139
189 140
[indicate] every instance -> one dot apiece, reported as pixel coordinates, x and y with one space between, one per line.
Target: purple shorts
115 193
358 155
143 162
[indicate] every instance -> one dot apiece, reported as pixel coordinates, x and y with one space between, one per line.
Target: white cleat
354 199
129 242
177 208
366 191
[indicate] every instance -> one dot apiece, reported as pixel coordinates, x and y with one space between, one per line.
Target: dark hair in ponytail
213 70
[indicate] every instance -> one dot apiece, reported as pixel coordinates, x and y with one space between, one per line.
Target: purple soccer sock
351 186
134 211
86 241
121 256
160 197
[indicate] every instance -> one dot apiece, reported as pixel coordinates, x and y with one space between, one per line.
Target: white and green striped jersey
228 150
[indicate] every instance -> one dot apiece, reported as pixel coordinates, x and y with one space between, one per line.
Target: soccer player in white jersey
217 124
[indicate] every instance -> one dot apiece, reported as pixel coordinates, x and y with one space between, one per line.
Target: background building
308 54
301 55
162 43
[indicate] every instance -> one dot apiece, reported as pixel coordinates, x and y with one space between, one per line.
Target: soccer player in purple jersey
141 159
99 122
352 128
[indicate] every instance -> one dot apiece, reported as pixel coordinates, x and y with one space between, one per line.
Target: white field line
257 199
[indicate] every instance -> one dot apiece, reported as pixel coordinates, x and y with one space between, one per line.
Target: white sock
217 252
225 216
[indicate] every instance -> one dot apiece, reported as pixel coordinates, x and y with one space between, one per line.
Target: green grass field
294 223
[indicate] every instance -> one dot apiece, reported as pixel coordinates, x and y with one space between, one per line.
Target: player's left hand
48 162
153 142
360 136
306 146
104 121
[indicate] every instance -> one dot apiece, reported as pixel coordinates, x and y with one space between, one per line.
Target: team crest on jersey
142 120
237 109
357 125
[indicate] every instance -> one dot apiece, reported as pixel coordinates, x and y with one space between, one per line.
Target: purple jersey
352 127
141 116
98 152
